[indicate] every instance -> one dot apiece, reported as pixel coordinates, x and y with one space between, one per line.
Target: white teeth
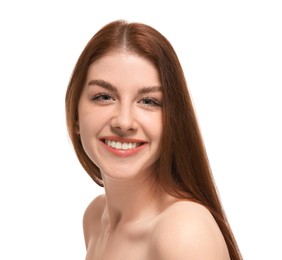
122 146
118 145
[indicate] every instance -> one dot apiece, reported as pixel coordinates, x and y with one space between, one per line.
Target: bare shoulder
187 230
92 217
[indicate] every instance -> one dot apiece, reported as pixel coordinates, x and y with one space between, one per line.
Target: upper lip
122 139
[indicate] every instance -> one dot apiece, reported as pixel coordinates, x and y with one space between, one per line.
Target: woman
134 130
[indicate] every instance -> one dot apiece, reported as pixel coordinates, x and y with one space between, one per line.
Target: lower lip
124 153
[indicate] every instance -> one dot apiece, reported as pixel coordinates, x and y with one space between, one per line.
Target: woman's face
120 115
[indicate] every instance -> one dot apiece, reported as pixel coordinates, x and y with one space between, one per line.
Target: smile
122 146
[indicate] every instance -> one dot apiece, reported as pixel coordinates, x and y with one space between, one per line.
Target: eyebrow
147 90
107 85
104 84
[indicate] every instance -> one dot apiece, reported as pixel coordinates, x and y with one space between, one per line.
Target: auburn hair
183 167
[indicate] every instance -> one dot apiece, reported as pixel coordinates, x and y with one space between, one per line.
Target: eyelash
153 101
102 97
146 101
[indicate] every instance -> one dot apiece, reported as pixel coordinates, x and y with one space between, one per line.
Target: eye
102 98
149 101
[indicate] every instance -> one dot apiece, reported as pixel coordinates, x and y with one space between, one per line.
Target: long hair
183 168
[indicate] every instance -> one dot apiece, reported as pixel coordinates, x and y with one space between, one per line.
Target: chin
126 172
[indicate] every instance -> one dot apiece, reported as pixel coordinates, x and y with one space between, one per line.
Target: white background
232 58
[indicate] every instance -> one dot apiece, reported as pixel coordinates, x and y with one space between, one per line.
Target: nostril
124 119
123 127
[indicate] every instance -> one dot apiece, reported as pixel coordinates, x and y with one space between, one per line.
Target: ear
76 129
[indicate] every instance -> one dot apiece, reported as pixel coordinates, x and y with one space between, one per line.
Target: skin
135 219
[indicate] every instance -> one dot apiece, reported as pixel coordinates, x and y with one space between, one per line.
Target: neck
132 200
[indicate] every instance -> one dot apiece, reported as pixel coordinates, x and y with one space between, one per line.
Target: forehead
124 68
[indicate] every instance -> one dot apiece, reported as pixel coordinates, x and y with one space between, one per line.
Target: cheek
154 125
89 126
89 119
85 126
158 130
87 129
88 136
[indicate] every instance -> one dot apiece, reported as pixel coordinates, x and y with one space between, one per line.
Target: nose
124 120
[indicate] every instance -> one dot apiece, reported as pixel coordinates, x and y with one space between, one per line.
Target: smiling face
120 115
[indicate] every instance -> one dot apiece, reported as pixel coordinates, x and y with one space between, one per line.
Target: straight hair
183 168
